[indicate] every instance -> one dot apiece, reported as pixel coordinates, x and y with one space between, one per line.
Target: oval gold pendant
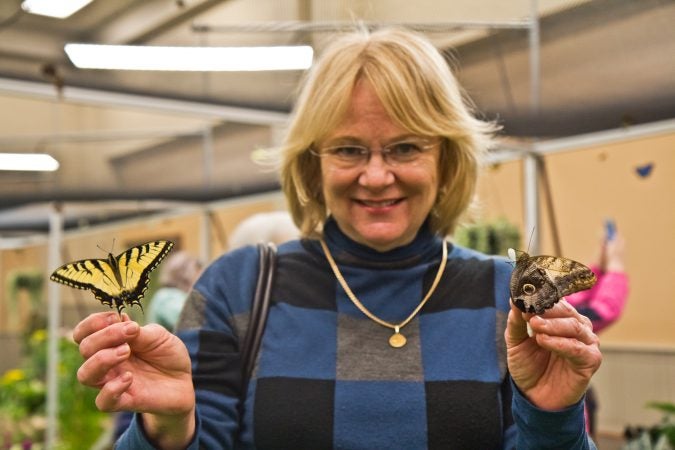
397 340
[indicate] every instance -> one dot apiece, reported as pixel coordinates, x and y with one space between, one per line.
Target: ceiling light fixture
34 162
136 57
59 9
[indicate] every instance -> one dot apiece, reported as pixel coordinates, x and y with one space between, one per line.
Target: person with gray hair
271 226
380 333
177 275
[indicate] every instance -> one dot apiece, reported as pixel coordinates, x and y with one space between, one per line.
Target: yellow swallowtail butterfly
118 281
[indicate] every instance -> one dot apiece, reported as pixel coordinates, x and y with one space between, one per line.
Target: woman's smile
379 205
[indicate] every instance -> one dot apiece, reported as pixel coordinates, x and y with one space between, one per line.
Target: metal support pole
208 156
205 235
535 64
53 325
530 165
531 202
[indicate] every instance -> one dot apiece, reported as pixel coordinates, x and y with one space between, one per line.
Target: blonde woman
380 334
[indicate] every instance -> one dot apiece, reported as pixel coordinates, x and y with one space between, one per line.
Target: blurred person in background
604 302
177 275
274 226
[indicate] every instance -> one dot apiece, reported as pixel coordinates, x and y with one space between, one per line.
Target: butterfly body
539 282
117 281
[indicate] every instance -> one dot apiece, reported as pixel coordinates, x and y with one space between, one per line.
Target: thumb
516 327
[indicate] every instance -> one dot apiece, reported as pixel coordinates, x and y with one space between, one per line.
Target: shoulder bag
259 309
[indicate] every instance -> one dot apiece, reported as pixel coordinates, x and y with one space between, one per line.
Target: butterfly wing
531 290
539 282
96 275
118 281
569 276
135 265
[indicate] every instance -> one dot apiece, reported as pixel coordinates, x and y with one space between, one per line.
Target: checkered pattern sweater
326 377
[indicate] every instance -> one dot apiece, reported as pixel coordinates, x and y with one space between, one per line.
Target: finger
582 355
97 370
93 323
111 336
562 309
565 327
112 396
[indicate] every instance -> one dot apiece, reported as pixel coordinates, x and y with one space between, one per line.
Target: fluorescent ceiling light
54 8
134 57
40 162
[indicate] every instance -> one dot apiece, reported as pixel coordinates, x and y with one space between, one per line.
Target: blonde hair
419 92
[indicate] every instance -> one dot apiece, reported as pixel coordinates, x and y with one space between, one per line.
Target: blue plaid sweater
326 377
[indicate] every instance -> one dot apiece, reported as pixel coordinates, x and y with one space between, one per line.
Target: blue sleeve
535 428
134 437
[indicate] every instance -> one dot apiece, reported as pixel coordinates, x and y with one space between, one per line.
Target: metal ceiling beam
151 19
186 194
106 98
294 26
97 136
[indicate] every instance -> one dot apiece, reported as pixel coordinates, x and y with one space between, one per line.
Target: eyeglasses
395 154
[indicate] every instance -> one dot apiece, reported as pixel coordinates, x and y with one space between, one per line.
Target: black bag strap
267 253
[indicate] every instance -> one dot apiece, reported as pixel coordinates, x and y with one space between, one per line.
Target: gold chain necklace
397 339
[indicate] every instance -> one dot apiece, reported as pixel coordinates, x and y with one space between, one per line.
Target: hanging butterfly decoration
644 170
539 282
118 281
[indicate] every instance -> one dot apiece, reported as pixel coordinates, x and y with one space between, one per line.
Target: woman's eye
405 149
347 151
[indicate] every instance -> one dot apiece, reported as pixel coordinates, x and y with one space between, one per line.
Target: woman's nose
376 172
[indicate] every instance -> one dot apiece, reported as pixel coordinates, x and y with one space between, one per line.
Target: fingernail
130 328
111 318
122 349
539 321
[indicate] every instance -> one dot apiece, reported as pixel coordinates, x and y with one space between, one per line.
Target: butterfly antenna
112 250
529 242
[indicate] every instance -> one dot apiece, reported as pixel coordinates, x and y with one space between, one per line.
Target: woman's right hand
143 369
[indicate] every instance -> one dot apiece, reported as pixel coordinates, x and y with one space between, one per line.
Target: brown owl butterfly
539 282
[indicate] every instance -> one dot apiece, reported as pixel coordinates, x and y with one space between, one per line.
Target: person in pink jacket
604 302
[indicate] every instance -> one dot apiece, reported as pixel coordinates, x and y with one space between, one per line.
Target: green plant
23 395
30 280
80 423
667 425
22 398
492 237
657 437
31 283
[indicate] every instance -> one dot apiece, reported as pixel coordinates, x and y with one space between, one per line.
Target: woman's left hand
554 366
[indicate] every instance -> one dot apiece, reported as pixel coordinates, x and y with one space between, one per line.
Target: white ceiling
125 135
